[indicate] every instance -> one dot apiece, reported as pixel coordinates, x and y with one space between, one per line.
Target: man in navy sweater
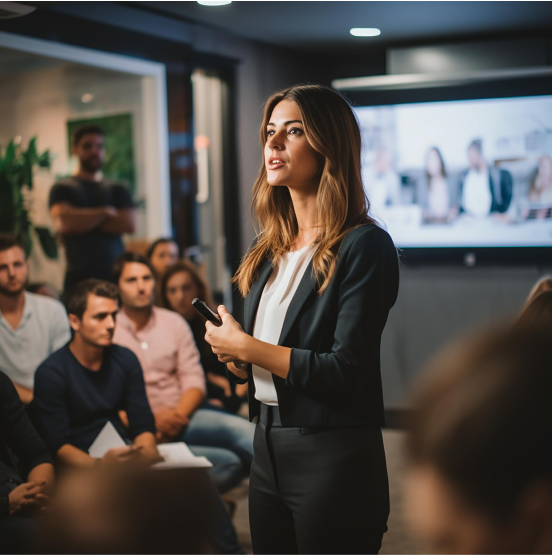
84 385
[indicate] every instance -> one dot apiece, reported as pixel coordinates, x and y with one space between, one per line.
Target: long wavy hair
332 130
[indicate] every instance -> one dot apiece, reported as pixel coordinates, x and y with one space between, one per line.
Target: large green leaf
16 170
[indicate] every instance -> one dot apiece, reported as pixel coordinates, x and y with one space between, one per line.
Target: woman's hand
226 340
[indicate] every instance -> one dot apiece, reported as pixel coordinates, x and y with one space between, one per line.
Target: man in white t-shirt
484 190
32 326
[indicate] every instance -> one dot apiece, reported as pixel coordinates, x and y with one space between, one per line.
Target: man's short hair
128 258
86 130
78 298
8 241
477 144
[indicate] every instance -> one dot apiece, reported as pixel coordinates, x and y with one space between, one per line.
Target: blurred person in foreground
543 284
121 510
180 285
480 447
90 212
175 381
538 312
24 487
85 384
484 190
32 326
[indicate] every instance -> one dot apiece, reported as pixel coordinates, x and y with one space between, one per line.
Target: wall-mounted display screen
468 173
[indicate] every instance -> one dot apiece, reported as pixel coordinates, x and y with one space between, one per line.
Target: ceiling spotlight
214 2
365 32
87 97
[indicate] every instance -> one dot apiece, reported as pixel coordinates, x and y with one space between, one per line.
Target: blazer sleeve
368 290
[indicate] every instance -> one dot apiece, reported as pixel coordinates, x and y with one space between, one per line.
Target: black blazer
334 378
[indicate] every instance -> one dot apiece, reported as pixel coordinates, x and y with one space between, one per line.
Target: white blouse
273 306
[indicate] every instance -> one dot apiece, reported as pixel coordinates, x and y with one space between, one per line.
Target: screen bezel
482 90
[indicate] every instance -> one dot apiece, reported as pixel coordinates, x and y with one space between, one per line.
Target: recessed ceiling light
214 2
365 32
87 97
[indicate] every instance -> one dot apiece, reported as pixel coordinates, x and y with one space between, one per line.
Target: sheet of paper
178 455
107 439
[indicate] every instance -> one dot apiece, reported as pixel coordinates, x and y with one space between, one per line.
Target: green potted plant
16 174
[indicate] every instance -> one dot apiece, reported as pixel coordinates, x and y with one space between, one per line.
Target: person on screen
434 192
382 182
541 187
484 190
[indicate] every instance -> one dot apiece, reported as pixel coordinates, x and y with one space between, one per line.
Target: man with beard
90 212
32 326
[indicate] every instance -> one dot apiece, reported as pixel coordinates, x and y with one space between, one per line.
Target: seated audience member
85 384
180 285
90 212
480 455
21 495
43 288
161 254
538 313
31 326
434 192
544 284
175 381
484 190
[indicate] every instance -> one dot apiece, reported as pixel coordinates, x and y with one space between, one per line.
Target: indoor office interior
453 102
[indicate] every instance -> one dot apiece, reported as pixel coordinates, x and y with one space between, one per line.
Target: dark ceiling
323 27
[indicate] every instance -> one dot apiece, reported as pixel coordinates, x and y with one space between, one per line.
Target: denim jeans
226 440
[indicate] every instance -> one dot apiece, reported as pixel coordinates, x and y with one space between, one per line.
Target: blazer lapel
303 292
253 298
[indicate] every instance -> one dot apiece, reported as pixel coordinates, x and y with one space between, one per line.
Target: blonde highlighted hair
332 130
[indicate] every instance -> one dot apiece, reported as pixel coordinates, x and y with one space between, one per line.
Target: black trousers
317 490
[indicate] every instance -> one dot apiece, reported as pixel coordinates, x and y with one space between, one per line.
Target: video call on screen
469 173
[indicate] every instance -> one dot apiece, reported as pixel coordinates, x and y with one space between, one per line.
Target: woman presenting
318 284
